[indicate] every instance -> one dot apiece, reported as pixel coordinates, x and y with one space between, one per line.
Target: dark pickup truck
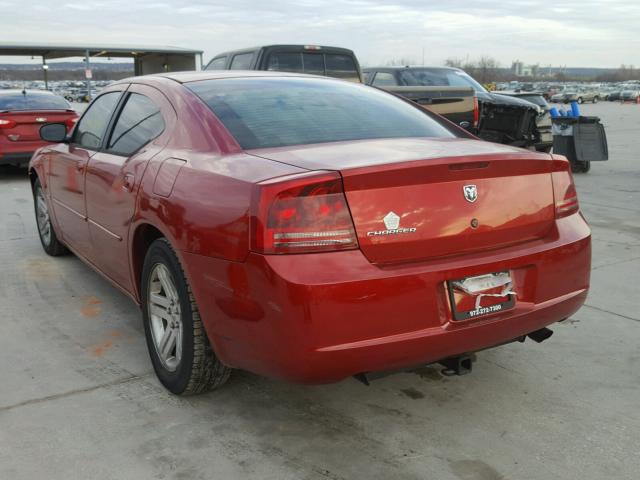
312 59
501 119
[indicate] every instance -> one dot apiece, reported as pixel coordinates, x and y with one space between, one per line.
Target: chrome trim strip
106 230
67 207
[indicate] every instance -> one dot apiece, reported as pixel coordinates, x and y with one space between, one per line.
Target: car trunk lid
414 199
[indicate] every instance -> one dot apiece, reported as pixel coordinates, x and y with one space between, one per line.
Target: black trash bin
581 139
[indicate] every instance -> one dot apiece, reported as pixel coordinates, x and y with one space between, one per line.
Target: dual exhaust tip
462 364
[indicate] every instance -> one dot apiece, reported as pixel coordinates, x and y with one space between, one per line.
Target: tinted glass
241 61
285 62
438 77
139 122
93 125
384 79
274 112
217 63
341 66
313 63
32 101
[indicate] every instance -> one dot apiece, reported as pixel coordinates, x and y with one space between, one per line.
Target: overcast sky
578 33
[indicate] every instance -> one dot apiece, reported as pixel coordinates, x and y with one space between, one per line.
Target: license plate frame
482 311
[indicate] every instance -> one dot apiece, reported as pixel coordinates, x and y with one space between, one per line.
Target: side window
366 76
285 62
384 79
341 66
241 61
93 125
217 63
139 122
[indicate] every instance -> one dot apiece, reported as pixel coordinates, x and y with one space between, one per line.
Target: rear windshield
32 101
438 77
276 112
328 64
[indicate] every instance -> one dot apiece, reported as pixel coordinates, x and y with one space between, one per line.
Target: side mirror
54 132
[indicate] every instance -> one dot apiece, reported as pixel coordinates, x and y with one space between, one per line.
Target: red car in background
22 113
308 228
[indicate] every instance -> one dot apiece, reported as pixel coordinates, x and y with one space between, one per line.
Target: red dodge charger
308 228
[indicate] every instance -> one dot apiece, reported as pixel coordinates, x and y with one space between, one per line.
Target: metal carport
147 59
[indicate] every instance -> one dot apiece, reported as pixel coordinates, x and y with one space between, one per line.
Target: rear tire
178 345
595 99
48 238
581 167
580 100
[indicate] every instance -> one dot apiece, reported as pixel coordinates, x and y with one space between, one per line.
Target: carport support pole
87 68
45 72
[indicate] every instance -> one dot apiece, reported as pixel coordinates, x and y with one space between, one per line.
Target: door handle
127 182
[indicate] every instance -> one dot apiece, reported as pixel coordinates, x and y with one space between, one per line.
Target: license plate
481 295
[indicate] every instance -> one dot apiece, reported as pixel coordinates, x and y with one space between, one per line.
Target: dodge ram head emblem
470 193
392 221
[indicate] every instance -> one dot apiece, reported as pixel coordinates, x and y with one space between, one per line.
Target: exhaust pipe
541 335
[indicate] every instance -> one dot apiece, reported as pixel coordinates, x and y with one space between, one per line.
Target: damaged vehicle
502 119
543 120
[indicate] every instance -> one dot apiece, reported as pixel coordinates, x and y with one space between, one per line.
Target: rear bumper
15 158
322 317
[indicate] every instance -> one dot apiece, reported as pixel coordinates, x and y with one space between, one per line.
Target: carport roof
56 50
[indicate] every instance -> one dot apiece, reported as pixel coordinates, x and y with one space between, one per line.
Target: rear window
327 64
276 112
438 77
32 101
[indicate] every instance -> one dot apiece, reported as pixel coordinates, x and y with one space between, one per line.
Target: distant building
519 69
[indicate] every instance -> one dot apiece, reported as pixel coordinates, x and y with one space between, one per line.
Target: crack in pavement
612 313
70 393
626 260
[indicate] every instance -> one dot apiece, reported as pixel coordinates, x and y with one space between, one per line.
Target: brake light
306 213
476 112
564 190
70 123
6 124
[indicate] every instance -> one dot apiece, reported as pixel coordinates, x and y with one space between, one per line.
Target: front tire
580 100
180 351
48 238
595 99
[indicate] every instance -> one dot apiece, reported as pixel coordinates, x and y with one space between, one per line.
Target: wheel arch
143 236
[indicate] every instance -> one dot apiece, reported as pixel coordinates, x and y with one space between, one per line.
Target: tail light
476 112
564 190
70 123
301 214
6 124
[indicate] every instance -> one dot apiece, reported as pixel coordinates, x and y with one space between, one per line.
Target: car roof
194 76
406 67
284 46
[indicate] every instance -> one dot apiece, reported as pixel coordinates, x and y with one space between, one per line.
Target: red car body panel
320 317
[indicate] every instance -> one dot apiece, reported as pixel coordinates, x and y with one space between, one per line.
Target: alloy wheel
165 317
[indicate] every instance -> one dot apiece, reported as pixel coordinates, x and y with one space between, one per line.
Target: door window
384 79
139 122
217 63
93 125
241 61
